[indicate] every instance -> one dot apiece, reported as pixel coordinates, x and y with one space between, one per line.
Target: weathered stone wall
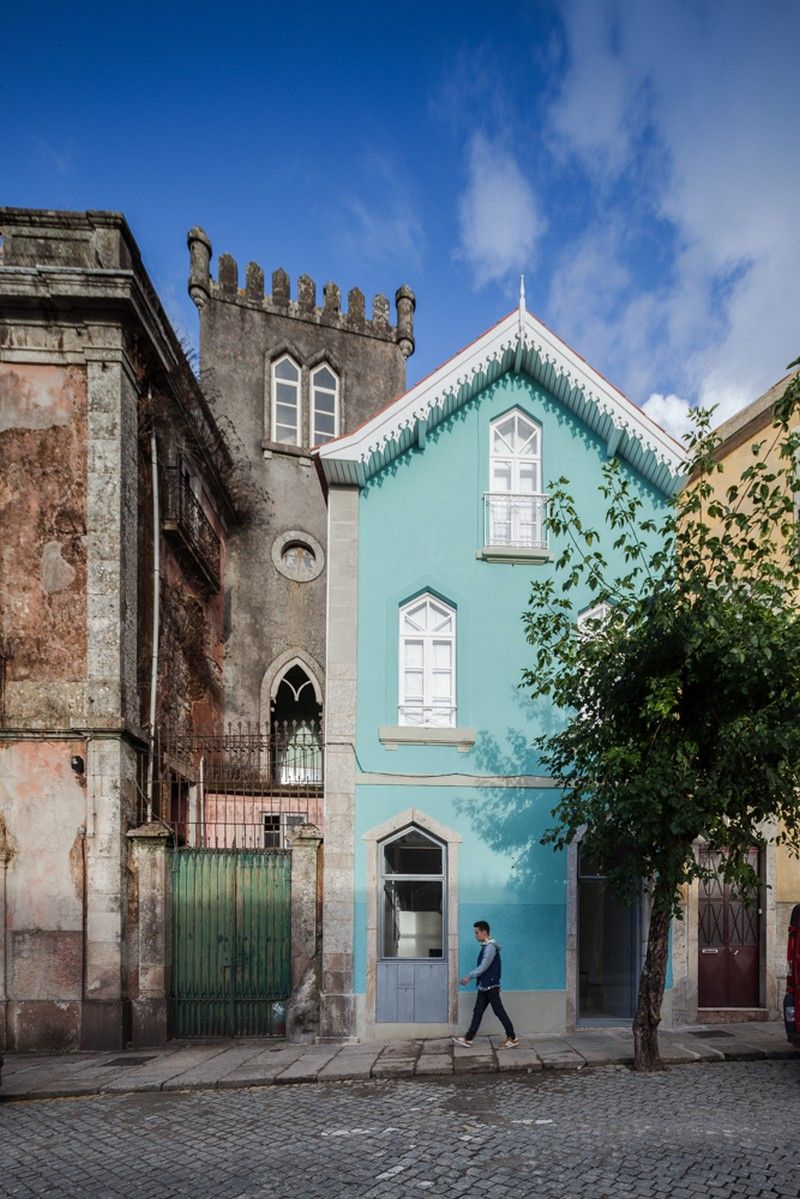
43 449
269 617
41 903
79 347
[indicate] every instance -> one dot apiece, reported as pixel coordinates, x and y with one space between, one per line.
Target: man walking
487 974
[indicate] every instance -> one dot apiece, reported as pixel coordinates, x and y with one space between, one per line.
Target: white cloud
682 117
499 216
670 411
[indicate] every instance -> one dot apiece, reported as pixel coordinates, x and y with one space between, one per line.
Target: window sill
512 553
390 736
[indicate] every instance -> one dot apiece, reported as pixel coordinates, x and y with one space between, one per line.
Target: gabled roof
522 344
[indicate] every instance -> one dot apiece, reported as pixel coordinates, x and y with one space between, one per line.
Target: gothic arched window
324 405
286 401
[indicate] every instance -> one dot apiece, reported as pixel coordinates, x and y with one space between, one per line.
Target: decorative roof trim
518 343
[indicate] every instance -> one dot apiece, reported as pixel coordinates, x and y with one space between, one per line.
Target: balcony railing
191 530
243 789
515 520
437 716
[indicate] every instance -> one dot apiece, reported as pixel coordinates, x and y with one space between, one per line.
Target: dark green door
231 941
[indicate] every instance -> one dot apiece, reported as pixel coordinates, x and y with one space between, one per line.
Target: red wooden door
728 943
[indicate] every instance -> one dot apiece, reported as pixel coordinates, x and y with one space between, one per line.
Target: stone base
149 1022
43 1025
105 1024
336 1017
731 1015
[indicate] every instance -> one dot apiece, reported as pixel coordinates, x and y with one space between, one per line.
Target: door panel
231 941
728 943
411 992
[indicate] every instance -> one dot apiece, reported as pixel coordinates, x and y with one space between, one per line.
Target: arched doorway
412 934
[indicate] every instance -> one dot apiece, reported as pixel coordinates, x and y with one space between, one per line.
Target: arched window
286 401
514 503
295 728
427 667
324 405
413 871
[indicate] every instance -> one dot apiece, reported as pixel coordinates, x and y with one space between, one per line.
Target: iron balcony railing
241 789
439 716
192 531
515 520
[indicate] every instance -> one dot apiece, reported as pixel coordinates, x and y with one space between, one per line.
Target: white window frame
321 439
435 713
598 613
297 384
515 515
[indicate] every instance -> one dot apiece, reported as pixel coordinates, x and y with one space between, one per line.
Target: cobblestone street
727 1129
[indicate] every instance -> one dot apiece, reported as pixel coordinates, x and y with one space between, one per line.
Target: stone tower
288 374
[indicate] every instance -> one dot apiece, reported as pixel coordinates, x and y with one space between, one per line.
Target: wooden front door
728 942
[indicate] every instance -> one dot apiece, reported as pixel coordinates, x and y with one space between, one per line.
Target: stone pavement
251 1063
726 1130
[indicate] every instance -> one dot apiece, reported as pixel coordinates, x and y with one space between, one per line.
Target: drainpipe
156 612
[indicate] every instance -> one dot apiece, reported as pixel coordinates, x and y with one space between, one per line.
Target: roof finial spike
521 310
522 292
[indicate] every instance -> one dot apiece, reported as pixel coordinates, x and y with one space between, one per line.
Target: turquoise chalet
434 799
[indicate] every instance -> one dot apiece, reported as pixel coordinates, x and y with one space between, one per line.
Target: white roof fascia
516 331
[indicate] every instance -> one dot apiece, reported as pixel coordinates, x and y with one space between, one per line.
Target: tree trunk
651 986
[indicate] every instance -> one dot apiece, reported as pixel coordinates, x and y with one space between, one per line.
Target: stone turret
199 265
226 287
344 359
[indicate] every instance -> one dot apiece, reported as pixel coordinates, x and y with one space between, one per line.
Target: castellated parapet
304 307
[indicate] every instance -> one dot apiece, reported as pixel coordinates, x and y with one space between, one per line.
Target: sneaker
462 1041
509 1043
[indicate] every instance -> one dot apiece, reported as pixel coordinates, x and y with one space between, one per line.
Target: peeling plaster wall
43 460
43 812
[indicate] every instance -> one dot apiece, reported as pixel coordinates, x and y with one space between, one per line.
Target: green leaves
683 706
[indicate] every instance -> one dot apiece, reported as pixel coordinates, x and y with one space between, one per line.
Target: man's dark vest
491 977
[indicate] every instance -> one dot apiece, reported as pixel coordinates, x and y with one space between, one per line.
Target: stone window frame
452 841
304 446
286 538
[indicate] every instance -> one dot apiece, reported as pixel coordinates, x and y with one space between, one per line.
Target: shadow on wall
511 820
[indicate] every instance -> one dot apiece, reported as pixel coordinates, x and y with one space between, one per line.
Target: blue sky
637 160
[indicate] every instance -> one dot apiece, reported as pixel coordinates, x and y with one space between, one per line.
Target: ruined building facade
92 378
288 374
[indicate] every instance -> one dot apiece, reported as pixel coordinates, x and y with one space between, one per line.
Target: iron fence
241 789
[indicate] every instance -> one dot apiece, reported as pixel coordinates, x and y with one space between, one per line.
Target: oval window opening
298 559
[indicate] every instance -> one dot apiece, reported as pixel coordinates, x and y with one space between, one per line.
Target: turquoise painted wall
420 525
522 895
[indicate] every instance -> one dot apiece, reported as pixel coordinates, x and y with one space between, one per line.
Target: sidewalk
194 1066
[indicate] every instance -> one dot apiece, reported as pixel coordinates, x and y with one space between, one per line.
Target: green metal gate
231 941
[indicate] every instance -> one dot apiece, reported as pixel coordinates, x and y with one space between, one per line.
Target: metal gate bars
231 941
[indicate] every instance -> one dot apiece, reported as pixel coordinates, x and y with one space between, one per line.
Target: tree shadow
511 819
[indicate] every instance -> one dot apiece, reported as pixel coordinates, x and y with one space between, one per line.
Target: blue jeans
482 1000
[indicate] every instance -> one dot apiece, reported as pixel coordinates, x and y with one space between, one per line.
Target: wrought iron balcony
242 788
190 530
515 521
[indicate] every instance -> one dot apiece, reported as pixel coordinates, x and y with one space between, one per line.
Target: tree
681 696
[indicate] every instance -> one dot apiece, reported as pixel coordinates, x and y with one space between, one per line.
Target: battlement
304 307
